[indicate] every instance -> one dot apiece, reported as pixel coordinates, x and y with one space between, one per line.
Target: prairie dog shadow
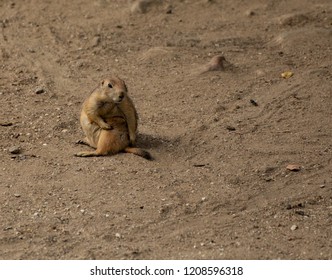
147 141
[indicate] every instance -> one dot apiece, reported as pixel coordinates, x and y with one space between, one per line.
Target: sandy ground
219 187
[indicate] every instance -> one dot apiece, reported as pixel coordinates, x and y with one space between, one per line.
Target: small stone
14 150
95 41
199 164
300 212
253 102
17 195
230 128
293 167
250 13
140 6
169 9
118 235
294 227
216 63
39 91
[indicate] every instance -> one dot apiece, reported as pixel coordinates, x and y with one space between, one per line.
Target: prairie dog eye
110 85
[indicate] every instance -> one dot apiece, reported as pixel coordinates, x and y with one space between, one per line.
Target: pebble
14 150
39 91
169 9
216 63
230 128
293 167
95 41
253 102
140 6
250 13
294 227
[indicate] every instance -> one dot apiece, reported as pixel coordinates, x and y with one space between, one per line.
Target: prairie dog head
114 88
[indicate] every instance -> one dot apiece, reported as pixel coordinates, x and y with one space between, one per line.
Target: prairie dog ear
102 82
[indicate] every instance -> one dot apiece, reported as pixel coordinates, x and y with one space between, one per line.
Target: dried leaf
287 74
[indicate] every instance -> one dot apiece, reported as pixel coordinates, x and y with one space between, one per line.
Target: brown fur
109 120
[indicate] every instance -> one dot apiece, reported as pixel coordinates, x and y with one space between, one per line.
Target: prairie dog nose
121 95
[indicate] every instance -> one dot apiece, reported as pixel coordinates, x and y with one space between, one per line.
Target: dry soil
220 186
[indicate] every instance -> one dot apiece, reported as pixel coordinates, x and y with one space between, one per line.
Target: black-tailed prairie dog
109 120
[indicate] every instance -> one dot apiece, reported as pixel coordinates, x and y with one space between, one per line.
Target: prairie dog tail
138 152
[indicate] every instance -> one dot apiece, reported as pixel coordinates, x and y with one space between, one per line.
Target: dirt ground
219 187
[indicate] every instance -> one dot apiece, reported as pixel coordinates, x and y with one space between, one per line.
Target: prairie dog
109 120
109 99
